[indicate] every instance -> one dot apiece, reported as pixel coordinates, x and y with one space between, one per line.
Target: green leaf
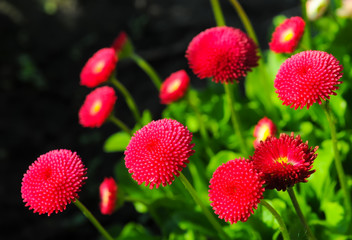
334 213
146 117
117 142
220 158
133 231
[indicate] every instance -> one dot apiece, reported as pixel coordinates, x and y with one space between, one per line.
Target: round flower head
99 68
158 151
108 196
264 128
316 8
174 87
307 77
235 190
53 181
284 161
223 53
97 107
287 35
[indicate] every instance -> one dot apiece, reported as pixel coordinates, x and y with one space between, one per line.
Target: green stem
300 214
202 129
120 124
219 17
245 20
128 97
337 158
144 65
307 34
278 218
93 220
235 119
206 212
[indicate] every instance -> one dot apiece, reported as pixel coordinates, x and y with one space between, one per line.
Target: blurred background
43 47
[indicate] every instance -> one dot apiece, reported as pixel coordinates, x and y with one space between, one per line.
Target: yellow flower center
105 197
173 86
287 35
282 160
99 66
96 107
264 133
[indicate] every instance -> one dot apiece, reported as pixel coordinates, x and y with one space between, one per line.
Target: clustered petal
287 35
98 68
307 77
119 42
223 53
97 107
53 181
264 129
235 190
158 151
174 87
108 196
284 161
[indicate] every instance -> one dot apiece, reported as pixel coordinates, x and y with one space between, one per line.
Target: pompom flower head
284 161
308 77
174 87
108 196
235 190
97 107
53 181
159 151
223 53
99 68
287 35
264 129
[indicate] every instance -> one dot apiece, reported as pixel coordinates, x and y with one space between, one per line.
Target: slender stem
337 159
93 220
245 20
219 17
144 65
235 119
206 212
128 97
307 26
300 214
120 124
202 129
278 218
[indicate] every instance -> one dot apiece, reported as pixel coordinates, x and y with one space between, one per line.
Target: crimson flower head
307 77
284 161
158 151
97 107
287 35
264 128
53 181
99 68
120 41
108 196
223 53
174 87
235 190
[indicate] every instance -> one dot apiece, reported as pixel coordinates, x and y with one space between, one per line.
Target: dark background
43 46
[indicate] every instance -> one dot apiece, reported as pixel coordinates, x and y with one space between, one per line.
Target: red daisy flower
224 53
174 87
307 77
97 107
264 128
158 151
284 161
120 41
108 196
287 35
99 67
53 181
235 190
